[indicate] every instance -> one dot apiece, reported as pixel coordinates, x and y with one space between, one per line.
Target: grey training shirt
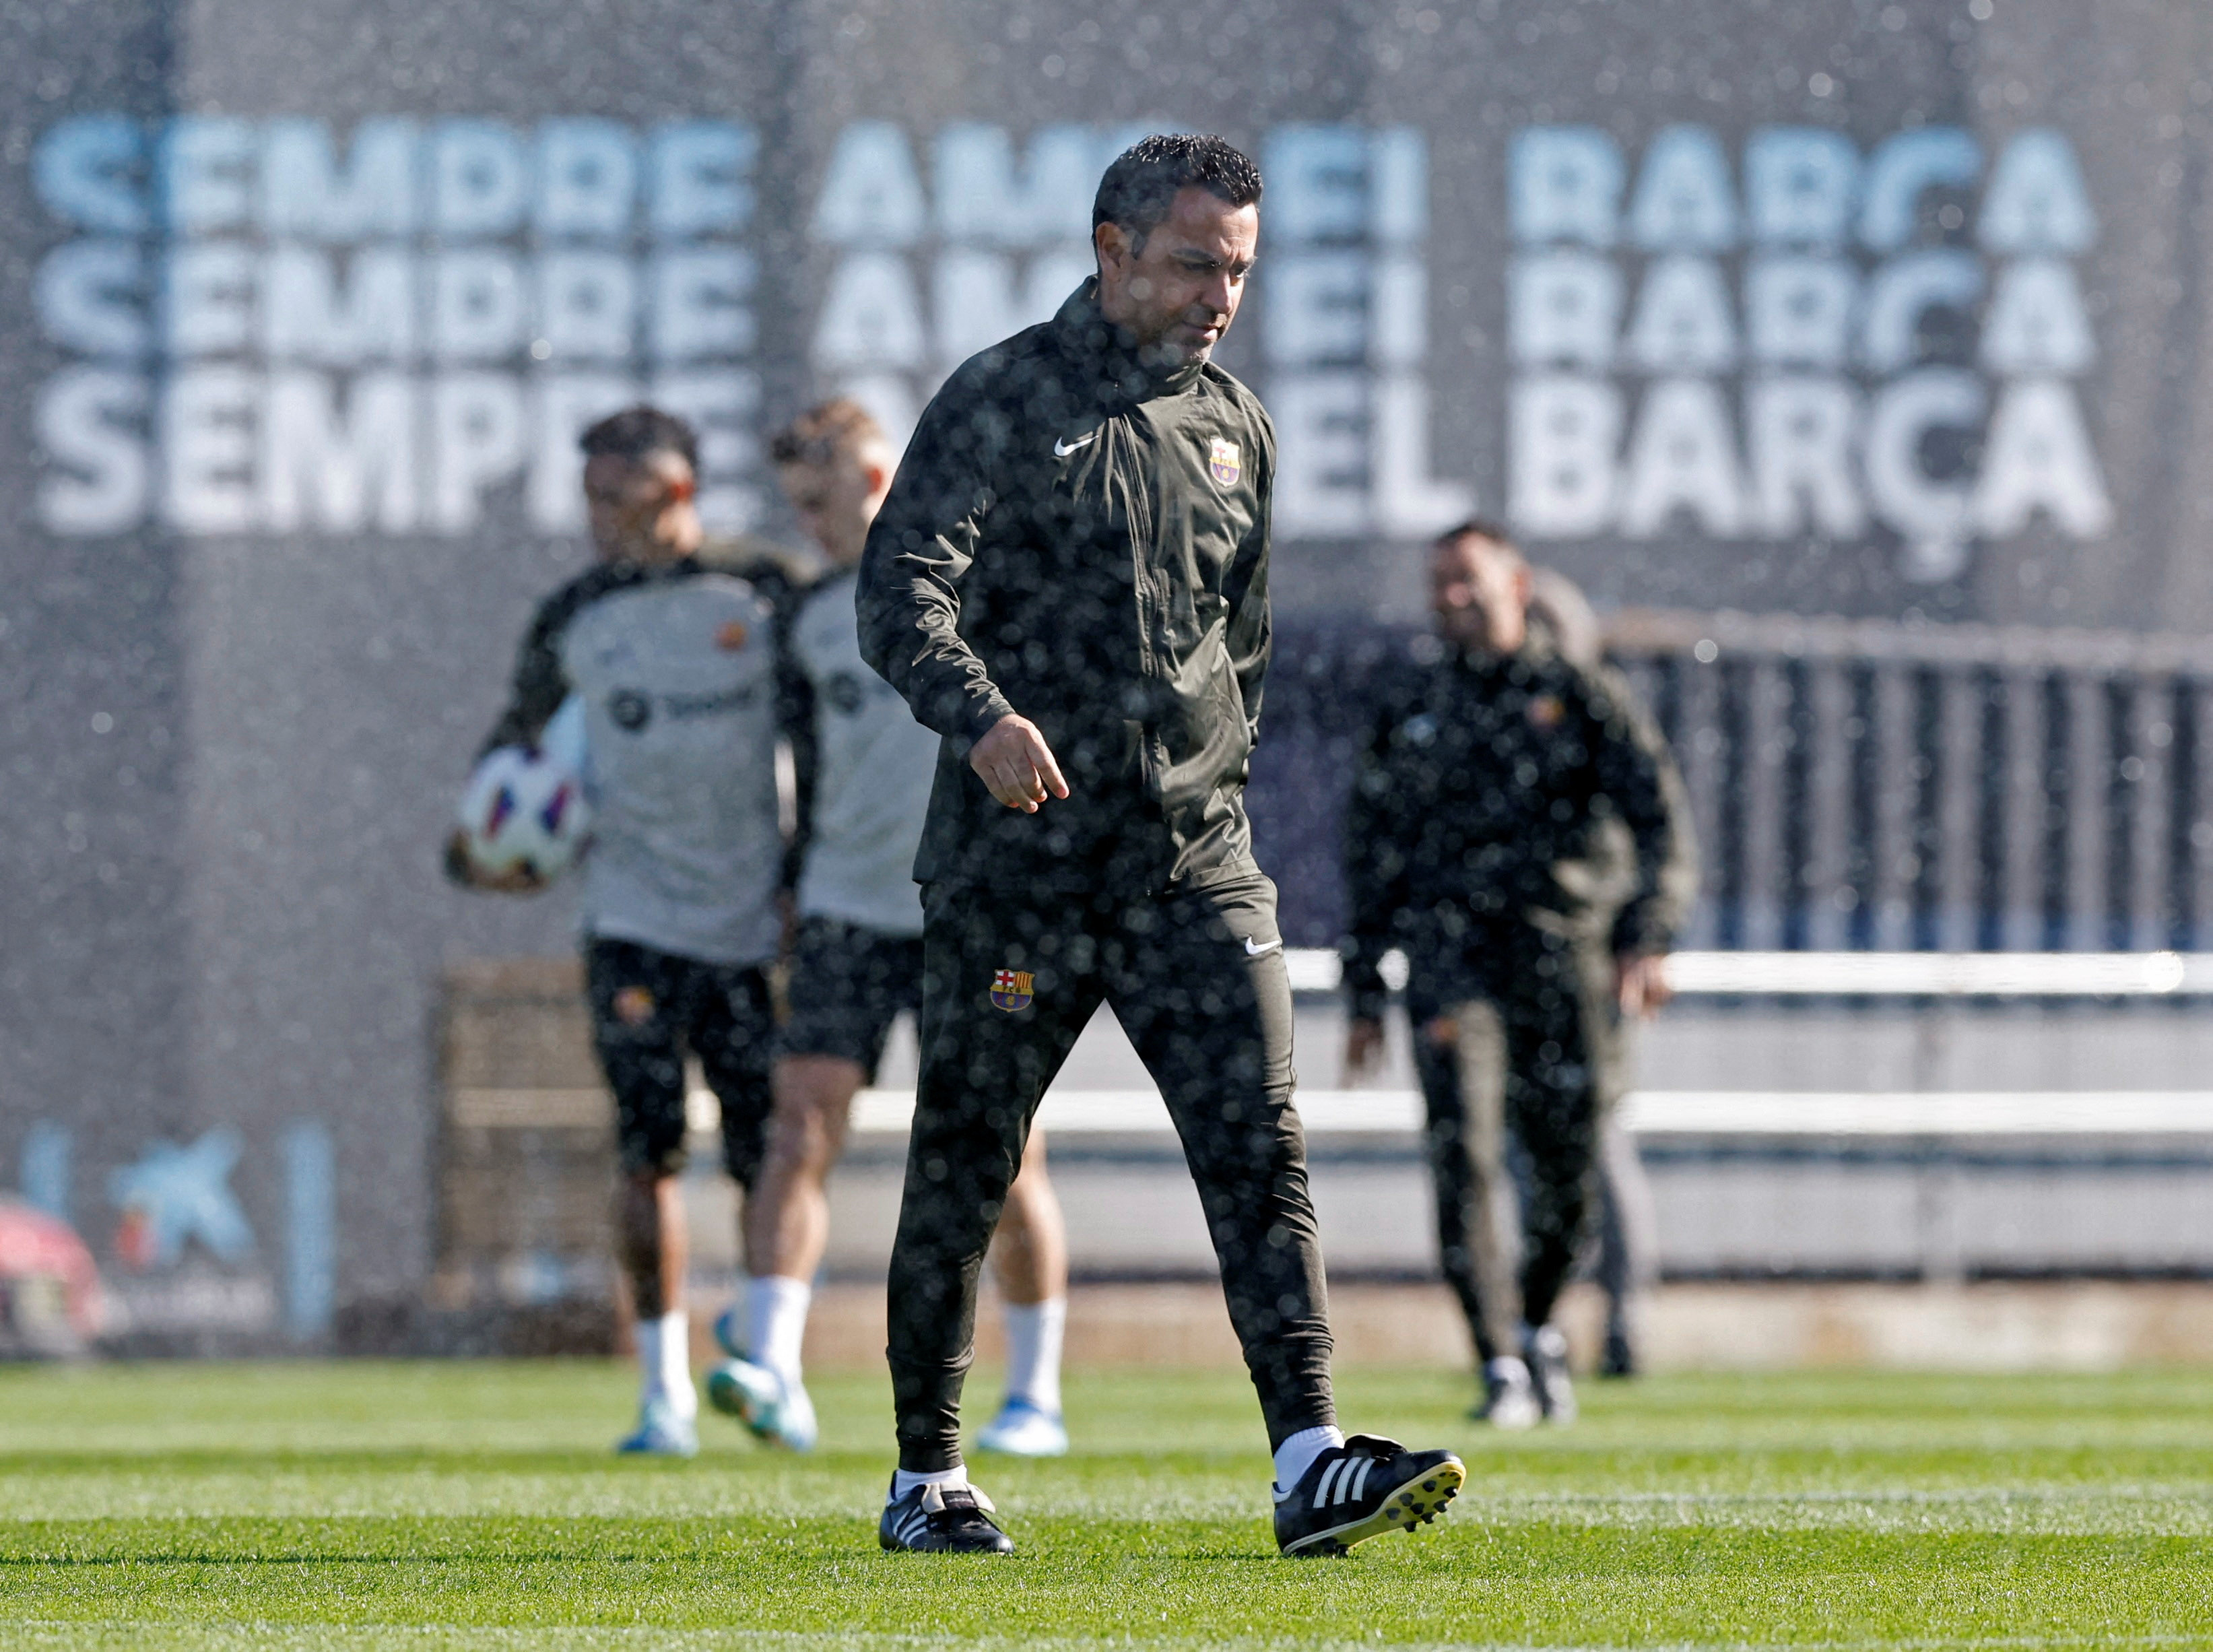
874 766
677 670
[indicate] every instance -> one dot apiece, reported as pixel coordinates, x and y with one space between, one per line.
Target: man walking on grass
1069 583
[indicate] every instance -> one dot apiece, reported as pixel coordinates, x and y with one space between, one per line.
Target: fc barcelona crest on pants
1011 989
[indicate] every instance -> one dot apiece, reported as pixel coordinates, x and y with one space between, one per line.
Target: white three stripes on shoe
1329 1474
1348 1475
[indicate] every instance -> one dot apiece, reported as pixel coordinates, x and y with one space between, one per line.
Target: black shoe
1619 1359
1510 1396
942 1519
1362 1488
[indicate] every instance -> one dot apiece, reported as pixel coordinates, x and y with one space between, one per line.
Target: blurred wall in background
1890 312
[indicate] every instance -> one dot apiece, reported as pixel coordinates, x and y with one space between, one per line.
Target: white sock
903 1482
1296 1455
664 1357
776 1322
1034 1337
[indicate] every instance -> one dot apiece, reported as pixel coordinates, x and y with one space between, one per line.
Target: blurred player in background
681 672
1486 840
856 964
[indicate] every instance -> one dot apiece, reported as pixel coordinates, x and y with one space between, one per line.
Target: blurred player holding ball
678 674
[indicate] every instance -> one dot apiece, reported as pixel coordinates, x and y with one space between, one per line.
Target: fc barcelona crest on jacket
1221 463
1011 989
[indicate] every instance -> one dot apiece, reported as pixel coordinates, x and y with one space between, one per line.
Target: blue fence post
2182 848
311 1229
46 1180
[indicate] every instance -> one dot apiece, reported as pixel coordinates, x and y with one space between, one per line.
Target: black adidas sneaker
942 1519
1362 1488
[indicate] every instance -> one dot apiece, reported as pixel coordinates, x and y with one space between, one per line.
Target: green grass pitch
439 1506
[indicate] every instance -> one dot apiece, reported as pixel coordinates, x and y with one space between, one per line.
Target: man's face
641 509
836 501
1479 592
1179 291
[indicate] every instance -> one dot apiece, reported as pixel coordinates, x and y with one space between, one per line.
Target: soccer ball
528 811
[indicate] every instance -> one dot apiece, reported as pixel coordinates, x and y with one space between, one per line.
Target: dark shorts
846 987
648 1011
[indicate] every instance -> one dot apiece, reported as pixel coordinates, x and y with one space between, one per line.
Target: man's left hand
464 870
1640 983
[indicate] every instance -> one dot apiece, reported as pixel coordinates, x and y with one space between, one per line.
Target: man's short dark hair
1140 186
824 432
638 432
1481 528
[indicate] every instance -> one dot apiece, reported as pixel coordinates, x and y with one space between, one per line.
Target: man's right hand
1014 762
1363 1048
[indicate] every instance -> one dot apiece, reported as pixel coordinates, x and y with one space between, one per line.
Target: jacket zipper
1139 509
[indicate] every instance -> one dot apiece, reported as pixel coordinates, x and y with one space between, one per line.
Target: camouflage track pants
1527 1052
1197 981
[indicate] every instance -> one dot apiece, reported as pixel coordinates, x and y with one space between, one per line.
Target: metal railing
1960 788
1856 785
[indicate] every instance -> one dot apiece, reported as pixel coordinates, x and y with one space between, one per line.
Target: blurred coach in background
1517 831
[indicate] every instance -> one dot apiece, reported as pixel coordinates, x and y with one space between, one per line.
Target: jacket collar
1110 357
623 572
1537 650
